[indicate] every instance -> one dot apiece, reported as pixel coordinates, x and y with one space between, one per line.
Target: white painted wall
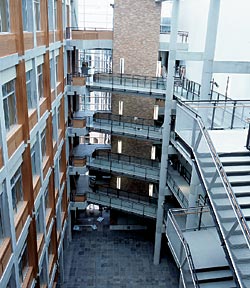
233 40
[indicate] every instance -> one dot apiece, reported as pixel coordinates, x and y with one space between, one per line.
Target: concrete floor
105 258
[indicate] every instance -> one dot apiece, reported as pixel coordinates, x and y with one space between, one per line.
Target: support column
193 197
212 27
166 130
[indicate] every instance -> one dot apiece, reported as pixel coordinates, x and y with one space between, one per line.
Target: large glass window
52 74
50 14
35 163
4 16
39 220
37 14
23 263
27 16
55 13
31 97
9 104
43 143
40 80
16 189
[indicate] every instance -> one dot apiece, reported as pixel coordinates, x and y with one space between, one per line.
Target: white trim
39 60
8 74
28 65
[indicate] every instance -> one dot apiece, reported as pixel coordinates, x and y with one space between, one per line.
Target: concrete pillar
193 197
212 25
166 130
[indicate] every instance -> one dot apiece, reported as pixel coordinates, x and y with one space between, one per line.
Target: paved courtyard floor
105 258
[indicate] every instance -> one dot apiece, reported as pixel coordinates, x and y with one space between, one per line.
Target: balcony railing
221 114
116 157
138 127
132 196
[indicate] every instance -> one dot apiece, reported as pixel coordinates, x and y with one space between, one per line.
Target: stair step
235 154
213 275
241 190
246 212
242 255
244 271
244 200
227 215
222 203
219 284
236 169
237 241
240 160
234 180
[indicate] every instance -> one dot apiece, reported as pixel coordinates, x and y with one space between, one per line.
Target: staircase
215 277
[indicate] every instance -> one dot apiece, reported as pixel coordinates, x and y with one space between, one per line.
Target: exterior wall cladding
136 39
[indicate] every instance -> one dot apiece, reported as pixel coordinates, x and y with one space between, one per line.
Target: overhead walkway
99 38
229 216
139 204
107 122
140 168
127 83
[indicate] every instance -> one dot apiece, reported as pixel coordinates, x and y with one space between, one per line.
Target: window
156 112
46 198
43 143
39 220
27 16
122 65
30 93
50 14
120 107
118 183
9 104
56 175
40 80
56 68
55 13
119 147
12 280
52 75
54 126
153 152
150 190
58 117
23 263
4 16
35 163
37 14
43 274
16 189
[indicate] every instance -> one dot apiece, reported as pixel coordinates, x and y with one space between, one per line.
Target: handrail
227 187
110 156
186 248
177 191
142 198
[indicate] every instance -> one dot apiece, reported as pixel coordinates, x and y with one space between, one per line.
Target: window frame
14 180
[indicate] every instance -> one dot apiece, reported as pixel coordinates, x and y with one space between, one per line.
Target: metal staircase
222 187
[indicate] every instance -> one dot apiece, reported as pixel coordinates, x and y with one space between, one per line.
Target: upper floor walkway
98 38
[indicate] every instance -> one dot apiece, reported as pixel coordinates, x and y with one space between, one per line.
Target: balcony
125 125
124 164
77 124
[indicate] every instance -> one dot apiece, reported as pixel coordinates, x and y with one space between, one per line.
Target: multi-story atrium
128 118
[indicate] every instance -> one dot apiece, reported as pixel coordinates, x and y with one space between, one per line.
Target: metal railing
137 125
183 35
129 80
132 196
110 156
222 114
180 247
190 128
176 190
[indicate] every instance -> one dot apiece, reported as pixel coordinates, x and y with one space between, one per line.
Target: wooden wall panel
41 38
28 40
32 119
16 24
7 44
14 139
